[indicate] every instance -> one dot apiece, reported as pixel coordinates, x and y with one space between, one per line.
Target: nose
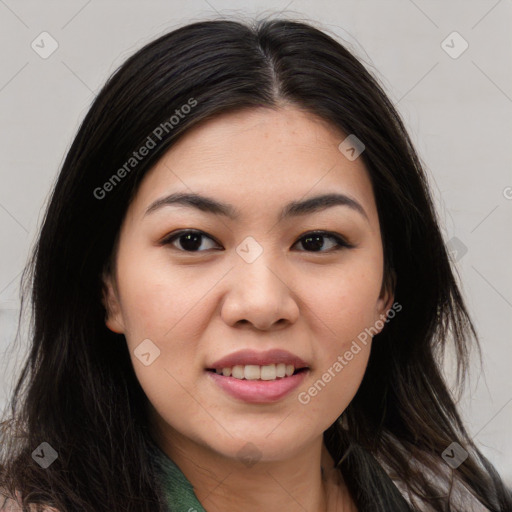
259 295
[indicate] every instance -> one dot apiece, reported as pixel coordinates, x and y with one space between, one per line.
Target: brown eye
318 241
315 242
189 240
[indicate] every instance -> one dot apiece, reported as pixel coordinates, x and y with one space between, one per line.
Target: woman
241 296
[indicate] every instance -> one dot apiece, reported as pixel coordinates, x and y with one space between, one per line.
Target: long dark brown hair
78 391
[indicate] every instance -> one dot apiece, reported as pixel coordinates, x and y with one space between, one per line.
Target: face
193 286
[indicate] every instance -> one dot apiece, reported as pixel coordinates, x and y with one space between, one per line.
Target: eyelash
340 242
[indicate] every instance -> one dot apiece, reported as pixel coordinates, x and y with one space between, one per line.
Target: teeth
252 372
255 372
268 372
237 372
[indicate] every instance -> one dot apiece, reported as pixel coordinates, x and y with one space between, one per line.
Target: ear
386 297
110 300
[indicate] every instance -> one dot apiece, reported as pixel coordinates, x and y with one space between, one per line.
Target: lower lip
259 391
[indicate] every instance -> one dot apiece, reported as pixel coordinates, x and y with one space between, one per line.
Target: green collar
180 496
178 491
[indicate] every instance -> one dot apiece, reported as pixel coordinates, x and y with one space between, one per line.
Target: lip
247 356
258 391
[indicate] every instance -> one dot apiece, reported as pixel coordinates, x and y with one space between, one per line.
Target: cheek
344 301
334 385
343 308
339 370
169 305
157 297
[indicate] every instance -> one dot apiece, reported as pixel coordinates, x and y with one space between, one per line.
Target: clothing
180 496
178 491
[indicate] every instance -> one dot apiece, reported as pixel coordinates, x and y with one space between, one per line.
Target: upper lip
247 356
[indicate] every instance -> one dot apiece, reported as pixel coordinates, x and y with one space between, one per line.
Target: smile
257 390
256 372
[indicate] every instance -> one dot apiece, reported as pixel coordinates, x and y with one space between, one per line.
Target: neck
222 483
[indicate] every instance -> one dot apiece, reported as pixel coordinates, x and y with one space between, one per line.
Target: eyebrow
292 209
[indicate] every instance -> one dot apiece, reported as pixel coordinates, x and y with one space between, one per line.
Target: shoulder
11 505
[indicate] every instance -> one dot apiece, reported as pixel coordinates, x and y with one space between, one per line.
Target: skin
199 306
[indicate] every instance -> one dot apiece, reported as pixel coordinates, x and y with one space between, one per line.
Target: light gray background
458 112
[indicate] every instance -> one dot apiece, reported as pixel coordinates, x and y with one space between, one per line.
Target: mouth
269 372
258 377
258 384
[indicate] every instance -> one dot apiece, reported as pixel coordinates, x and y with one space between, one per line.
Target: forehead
258 156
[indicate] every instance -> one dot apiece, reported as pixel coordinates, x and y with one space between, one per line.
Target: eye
315 241
191 241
